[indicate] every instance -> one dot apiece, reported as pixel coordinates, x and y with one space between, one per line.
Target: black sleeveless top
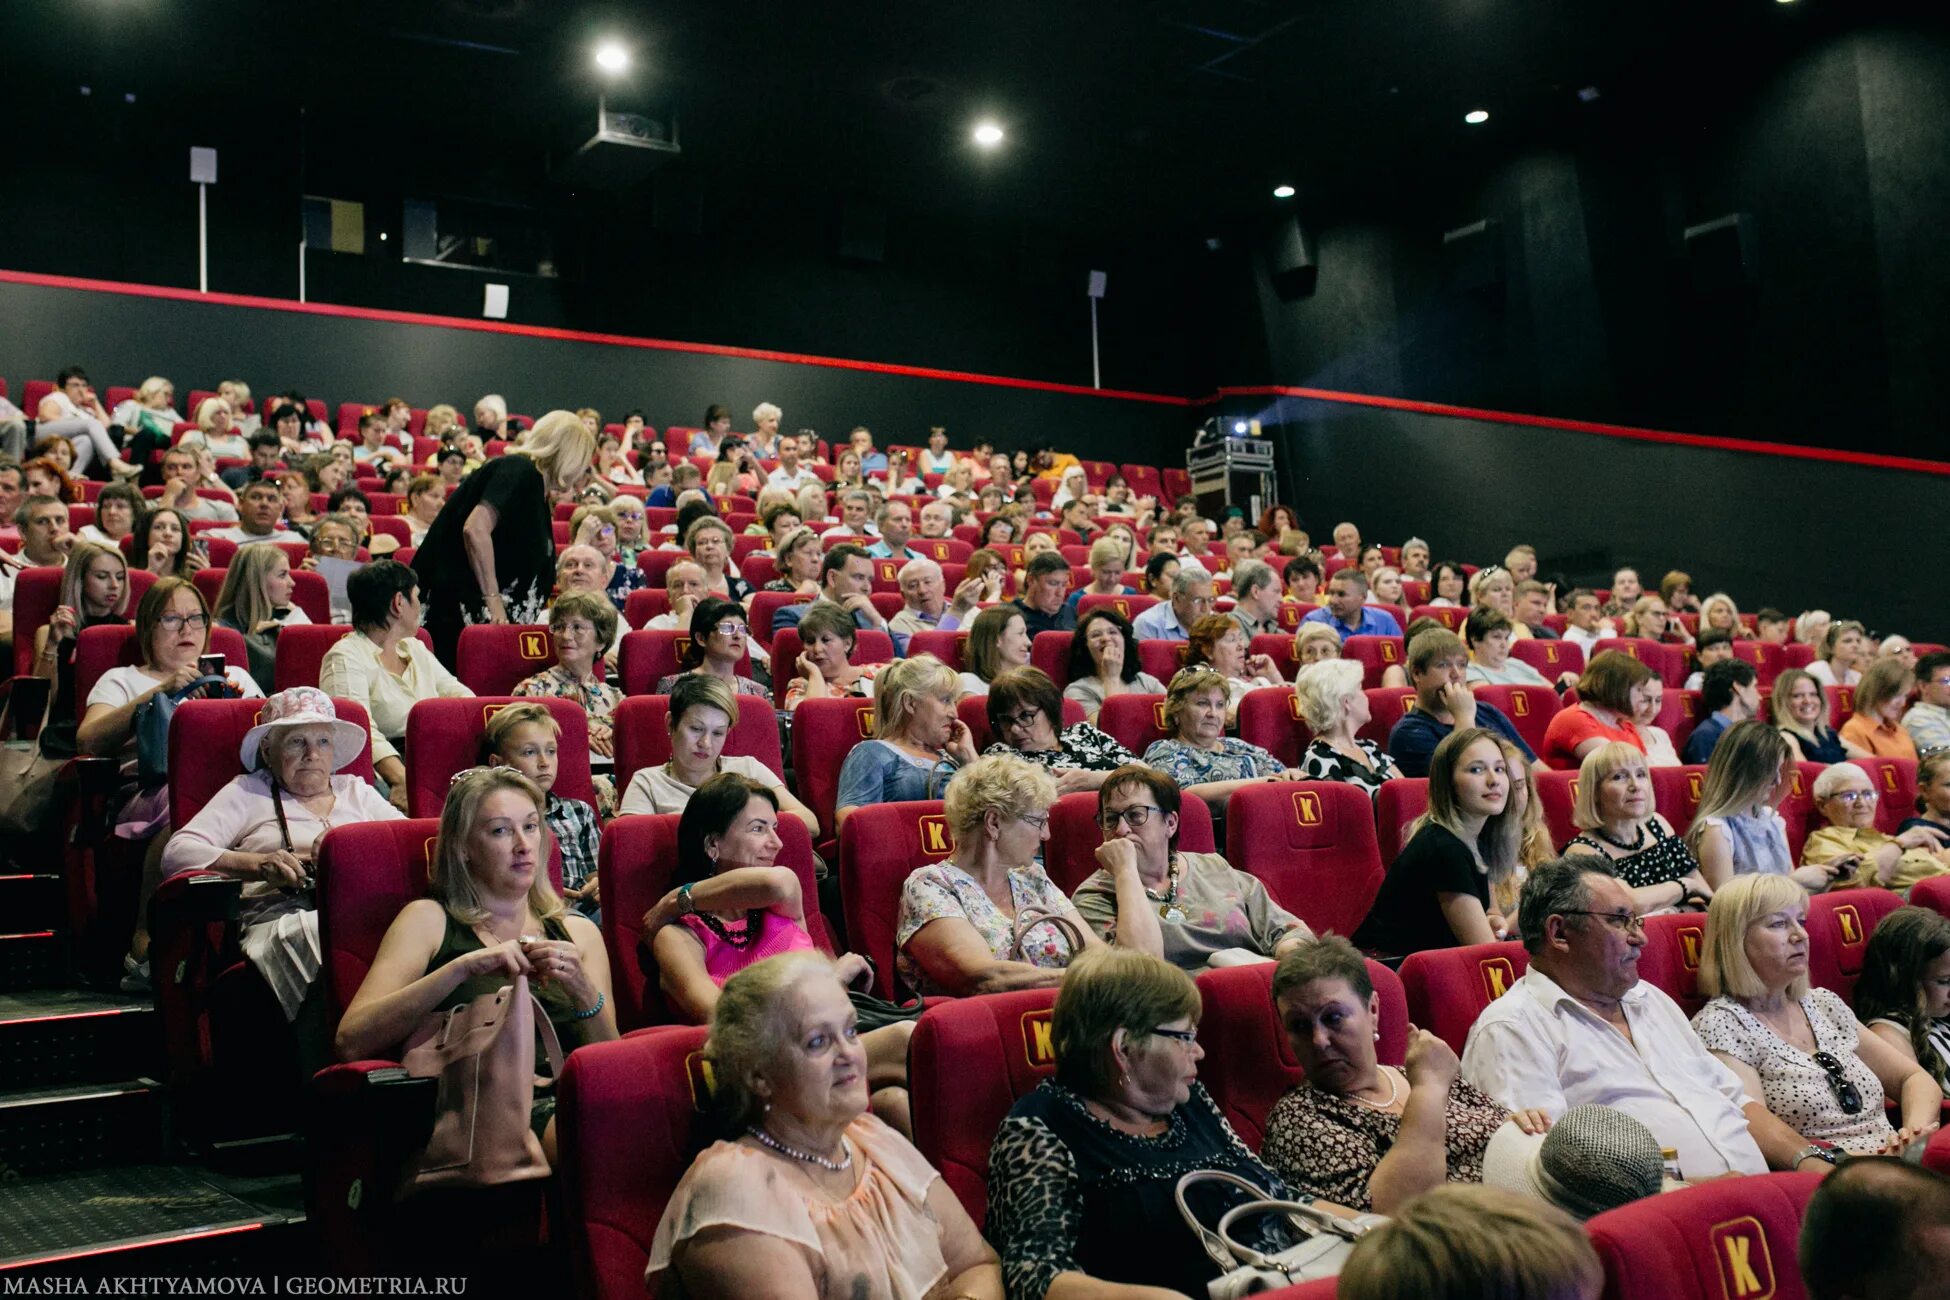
460 940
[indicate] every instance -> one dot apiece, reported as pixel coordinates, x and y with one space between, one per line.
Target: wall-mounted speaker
1721 255
1290 260
1472 257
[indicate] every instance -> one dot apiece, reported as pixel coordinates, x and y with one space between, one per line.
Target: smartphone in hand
210 665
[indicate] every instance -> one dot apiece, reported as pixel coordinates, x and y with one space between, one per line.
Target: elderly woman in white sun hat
261 829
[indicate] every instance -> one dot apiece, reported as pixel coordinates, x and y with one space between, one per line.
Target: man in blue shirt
1346 611
1729 693
871 461
1437 667
1171 620
896 526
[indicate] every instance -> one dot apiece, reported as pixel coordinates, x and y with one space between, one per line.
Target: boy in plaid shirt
524 737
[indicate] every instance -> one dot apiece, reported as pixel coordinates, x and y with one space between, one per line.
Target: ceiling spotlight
612 58
988 135
1282 191
1589 94
1477 116
1239 426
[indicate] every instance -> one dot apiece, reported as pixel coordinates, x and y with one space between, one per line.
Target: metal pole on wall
203 171
1097 281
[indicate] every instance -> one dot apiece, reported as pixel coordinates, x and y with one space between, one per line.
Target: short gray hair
1323 689
856 494
1414 541
766 411
916 568
1553 889
1189 575
1250 576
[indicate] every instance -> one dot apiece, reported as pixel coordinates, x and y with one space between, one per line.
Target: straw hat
1594 1158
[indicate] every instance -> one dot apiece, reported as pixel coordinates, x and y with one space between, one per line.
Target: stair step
80 1126
32 958
32 900
52 1037
158 1220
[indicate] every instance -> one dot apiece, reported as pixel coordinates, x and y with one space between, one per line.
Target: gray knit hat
1593 1159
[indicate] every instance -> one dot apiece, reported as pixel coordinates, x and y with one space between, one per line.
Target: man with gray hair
896 523
1256 593
1581 1028
925 607
1191 600
856 515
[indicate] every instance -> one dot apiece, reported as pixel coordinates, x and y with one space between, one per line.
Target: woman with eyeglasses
1797 1048
172 631
720 641
1851 846
1025 713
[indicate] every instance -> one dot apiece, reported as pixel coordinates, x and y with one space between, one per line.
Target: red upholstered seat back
1135 721
1767 658
945 646
974 710
1313 843
822 733
205 738
1129 606
1676 790
308 592
302 649
1396 804
1530 708
968 1062
1375 654
1050 651
1163 659
1270 718
1933 893
1557 792
37 590
1894 781
1671 956
1385 708
1283 648
444 737
650 656
1449 987
630 1122
1839 925
635 866
642 726
1733 1239
1071 854
1669 661
99 649
1551 658
1240 1029
493 657
880 846
639 607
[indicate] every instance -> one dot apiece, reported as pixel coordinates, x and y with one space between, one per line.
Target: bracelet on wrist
592 1012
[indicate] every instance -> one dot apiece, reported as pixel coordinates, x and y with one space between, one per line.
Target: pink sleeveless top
778 933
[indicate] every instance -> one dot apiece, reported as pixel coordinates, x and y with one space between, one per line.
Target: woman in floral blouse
581 623
1335 706
970 925
1026 715
1204 760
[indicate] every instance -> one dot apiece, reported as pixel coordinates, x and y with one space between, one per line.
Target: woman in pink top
1602 714
732 908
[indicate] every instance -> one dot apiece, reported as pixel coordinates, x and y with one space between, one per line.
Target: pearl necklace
1394 1093
811 1158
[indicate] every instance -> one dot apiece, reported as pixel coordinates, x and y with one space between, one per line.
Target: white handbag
1325 1241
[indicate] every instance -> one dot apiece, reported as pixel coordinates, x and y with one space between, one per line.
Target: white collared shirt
1536 1046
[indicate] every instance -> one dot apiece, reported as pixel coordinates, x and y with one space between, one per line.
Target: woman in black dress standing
489 556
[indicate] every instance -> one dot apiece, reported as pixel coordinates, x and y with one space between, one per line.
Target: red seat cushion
1933 893
1385 708
823 731
1839 925
492 658
1894 780
1558 792
1396 804
1375 654
1135 721
1313 843
1731 1239
1128 607
445 736
1050 652
650 656
1676 793
1530 708
1669 661
1551 658
1269 717
1449 987
945 646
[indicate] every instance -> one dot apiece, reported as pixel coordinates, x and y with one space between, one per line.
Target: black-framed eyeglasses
1624 922
1845 1092
1134 817
1186 1037
731 628
1025 719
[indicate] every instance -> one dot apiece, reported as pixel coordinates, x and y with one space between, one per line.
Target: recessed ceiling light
988 135
1282 191
612 58
1477 116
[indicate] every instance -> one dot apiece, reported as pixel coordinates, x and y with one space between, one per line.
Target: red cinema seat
1450 616
943 550
880 846
444 737
1375 654
634 868
1313 843
827 541
1558 792
1240 1027
1732 1239
1050 651
1386 705
822 733
1669 661
1449 987
974 711
37 590
1551 658
650 656
492 658
1797 808
639 607
1679 713
1531 708
99 649
1670 958
308 592
1071 854
631 1118
1163 659
204 740
1178 483
1281 647
945 646
655 563
1270 718
1933 893
1839 925
1396 804
1676 793
1894 780
1127 607
1767 658
302 648
870 646
969 1061
1144 481
642 727
1135 721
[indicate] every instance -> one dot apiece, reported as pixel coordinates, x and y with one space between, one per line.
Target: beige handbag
483 1054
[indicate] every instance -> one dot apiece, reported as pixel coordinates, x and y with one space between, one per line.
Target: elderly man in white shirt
1581 1028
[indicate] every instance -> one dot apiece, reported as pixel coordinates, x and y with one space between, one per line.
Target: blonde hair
1106 549
440 417
1783 695
1460 1241
152 387
1707 606
1315 632
1186 683
75 577
1533 836
1724 970
1000 783
1108 989
241 601
207 408
1599 766
1744 767
507 719
749 1031
764 411
453 884
896 688
561 446
1324 688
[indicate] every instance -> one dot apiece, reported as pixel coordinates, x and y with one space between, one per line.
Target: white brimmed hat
1594 1158
304 706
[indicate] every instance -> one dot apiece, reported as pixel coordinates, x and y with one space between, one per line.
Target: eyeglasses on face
1845 1091
1625 922
1038 820
1184 1037
1134 817
731 627
177 622
1019 721
1853 797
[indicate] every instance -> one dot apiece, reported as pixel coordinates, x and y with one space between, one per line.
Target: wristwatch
1817 1151
684 901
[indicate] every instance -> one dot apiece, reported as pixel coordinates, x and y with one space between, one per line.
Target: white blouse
655 790
352 671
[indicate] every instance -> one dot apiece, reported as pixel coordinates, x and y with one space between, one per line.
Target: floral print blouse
943 889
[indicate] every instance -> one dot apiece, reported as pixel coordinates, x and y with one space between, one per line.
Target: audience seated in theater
383 666
333 537
1044 603
1737 829
988 920
260 506
1897 646
825 667
1171 620
1207 763
1314 642
1025 714
1800 710
1843 654
1335 708
425 494
1718 613
998 640
1437 891
263 827
490 556
1651 619
896 528
1820 1074
1676 589
148 418
181 477
1617 820
1449 587
1928 720
1487 633
811 1195
1880 698
1932 793
490 914
266 458
1603 713
1108 557
1346 611
581 624
117 508
1466 1242
94 593
791 473
1847 798
1729 694
1301 576
1532 606
1161 571
163 545
612 464
70 410
1000 529
846 580
684 477
1437 668
1104 662
1581 1028
295 487
701 715
919 743
1903 995
1219 643
719 641
1193 909
255 600
683 587
1712 646
708 539
580 568
1083 1173
527 738
1357 1132
594 526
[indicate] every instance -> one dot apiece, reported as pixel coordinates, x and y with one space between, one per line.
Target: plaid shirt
573 824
